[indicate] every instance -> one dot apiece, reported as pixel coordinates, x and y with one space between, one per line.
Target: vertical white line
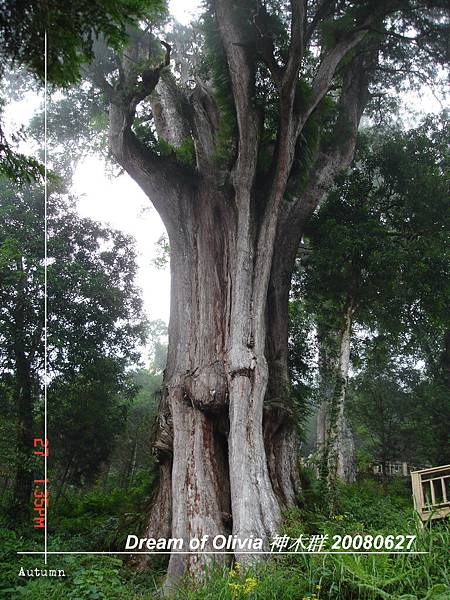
45 293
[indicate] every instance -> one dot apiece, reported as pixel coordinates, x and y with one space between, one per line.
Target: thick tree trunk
282 450
280 426
196 384
209 440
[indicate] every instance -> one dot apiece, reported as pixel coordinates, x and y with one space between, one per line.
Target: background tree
378 254
397 414
106 442
92 405
134 451
94 318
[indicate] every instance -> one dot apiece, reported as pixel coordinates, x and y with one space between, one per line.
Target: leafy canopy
71 29
382 236
95 309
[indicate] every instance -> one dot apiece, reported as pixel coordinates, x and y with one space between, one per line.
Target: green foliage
380 242
88 583
94 326
94 521
214 64
133 449
301 344
92 404
184 153
72 29
86 578
18 167
332 31
301 350
398 412
77 118
102 518
86 262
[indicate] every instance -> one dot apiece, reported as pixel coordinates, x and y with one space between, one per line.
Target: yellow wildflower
235 589
234 586
249 585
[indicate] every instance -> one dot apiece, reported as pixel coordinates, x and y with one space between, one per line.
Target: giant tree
235 148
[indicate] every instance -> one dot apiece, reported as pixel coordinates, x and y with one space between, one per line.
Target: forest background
371 276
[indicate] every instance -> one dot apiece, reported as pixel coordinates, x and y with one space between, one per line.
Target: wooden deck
431 492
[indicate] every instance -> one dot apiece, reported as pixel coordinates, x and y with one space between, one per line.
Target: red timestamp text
40 492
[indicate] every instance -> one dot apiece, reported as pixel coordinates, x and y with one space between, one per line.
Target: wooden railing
431 492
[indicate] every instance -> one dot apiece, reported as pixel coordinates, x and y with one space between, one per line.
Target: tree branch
323 10
295 55
205 125
163 179
151 76
265 45
329 162
170 110
282 76
242 73
327 68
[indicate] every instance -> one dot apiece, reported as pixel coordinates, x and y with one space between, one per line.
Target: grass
362 509
339 577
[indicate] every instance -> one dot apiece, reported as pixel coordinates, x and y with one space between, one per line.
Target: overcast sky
120 202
